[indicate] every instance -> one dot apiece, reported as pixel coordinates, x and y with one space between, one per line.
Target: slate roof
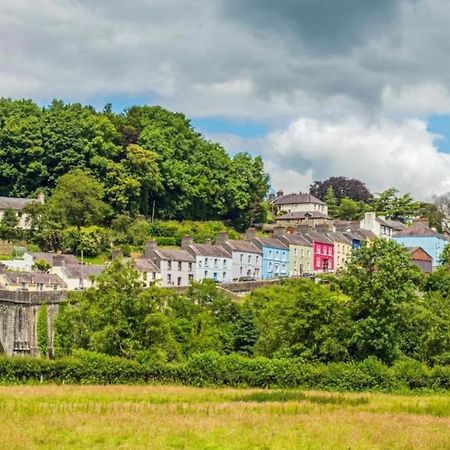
336 236
15 203
295 239
170 254
297 199
269 242
365 235
241 246
421 229
48 257
299 215
48 279
394 224
209 250
315 236
88 270
145 265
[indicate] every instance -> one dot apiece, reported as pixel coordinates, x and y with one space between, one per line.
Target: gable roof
48 279
15 203
394 224
336 236
145 265
421 229
88 270
315 236
297 199
241 246
174 254
295 239
209 250
269 242
48 257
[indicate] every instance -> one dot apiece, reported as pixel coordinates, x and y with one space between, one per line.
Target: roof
15 203
420 229
315 236
299 215
88 270
394 224
48 279
174 254
242 246
145 265
336 236
364 234
295 239
269 242
208 250
296 199
48 257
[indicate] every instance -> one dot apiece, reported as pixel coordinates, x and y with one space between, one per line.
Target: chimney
149 247
58 261
250 234
186 240
278 231
280 194
41 197
221 237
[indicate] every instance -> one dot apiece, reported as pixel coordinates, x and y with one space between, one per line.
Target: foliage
91 240
393 206
342 188
8 225
42 330
381 280
41 265
330 200
445 256
349 209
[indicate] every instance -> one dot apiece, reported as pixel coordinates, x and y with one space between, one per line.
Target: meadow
178 417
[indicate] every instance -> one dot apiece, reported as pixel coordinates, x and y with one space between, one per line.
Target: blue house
420 235
275 256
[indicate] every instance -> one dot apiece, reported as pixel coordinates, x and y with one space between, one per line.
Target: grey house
246 257
177 267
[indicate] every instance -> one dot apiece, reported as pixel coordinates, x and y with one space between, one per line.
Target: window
179 281
295 264
191 277
169 279
277 268
283 268
270 254
270 267
216 261
144 276
276 254
224 263
224 275
242 257
190 267
40 286
240 270
179 265
206 274
169 265
295 251
215 275
206 262
257 259
249 259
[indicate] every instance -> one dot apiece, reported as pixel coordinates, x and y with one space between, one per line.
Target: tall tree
330 200
343 187
77 199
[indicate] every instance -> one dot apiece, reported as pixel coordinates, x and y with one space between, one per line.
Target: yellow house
300 254
342 248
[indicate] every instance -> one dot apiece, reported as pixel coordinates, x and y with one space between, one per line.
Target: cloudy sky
359 88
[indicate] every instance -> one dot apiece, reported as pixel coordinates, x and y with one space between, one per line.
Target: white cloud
381 153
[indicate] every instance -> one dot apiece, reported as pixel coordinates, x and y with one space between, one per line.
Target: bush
163 240
211 369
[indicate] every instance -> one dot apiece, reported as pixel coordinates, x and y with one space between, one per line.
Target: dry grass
159 417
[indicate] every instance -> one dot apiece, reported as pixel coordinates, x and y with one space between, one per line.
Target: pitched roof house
17 205
381 226
299 203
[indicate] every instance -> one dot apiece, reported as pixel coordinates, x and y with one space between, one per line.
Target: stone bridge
18 320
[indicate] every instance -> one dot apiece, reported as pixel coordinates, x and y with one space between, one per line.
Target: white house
246 257
148 270
299 203
17 205
30 281
381 226
211 261
29 259
176 267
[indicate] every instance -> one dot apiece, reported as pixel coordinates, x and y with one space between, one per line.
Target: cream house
17 205
299 203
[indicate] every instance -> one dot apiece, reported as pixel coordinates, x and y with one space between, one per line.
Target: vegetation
147 161
42 330
163 417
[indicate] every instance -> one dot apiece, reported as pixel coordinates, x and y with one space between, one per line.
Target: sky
318 88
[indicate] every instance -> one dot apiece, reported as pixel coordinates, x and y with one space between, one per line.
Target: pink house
323 251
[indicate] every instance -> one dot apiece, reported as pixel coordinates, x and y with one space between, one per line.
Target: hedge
210 369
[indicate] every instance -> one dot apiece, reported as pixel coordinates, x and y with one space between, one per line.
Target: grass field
157 417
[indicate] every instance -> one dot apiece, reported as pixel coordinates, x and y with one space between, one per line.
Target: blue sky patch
440 124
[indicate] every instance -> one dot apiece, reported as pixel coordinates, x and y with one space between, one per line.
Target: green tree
8 225
389 204
330 200
445 256
380 280
77 200
350 210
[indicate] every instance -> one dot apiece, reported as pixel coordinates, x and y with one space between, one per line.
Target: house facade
323 251
149 272
77 276
313 218
177 267
342 251
31 281
246 257
420 258
212 262
275 256
300 254
295 203
421 235
17 205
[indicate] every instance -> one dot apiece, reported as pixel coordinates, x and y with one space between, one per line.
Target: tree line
147 160
381 307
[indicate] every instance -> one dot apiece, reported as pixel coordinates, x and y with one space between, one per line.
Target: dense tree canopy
343 187
144 157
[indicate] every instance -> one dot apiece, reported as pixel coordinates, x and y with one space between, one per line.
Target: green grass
175 417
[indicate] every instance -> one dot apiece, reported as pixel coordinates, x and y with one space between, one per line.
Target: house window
215 275
169 279
179 265
277 268
276 255
270 267
295 251
179 281
224 263
242 257
270 254
257 259
224 275
206 274
206 262
190 267
169 265
283 268
240 270
249 259
216 261
190 277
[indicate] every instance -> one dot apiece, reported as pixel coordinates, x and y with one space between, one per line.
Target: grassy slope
160 417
